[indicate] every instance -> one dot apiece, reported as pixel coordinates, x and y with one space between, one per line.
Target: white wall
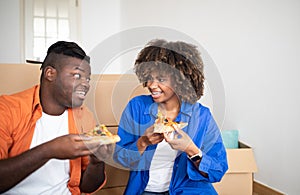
254 44
10 39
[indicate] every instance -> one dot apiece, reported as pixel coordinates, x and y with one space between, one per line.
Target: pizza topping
99 130
100 133
165 125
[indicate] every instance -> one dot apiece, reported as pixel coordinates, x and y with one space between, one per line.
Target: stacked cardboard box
238 180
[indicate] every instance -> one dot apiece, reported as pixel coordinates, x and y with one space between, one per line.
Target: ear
50 73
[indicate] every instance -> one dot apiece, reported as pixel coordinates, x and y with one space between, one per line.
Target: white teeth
81 92
156 93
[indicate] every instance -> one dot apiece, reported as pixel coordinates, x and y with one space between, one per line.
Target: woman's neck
170 109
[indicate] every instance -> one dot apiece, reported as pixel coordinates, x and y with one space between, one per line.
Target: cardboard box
117 176
238 180
18 77
110 93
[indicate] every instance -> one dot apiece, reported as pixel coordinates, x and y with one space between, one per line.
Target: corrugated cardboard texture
18 77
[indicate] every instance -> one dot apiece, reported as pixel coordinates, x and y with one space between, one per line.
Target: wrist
196 157
191 150
141 142
141 145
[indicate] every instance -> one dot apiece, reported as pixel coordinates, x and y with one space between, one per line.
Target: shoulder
199 110
141 100
23 105
139 104
196 107
203 108
21 99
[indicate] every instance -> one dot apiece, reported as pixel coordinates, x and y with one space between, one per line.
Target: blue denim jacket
139 114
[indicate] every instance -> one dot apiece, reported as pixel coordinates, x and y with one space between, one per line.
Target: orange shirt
18 116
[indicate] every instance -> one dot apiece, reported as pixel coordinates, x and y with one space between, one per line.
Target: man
41 151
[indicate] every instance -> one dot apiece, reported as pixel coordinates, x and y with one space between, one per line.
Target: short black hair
66 48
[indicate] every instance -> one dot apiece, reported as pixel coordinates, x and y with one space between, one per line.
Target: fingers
157 137
178 130
110 148
103 152
153 138
166 136
86 142
169 136
83 144
149 131
177 134
72 146
82 137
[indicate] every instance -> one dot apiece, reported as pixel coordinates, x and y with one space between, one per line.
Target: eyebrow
161 76
78 68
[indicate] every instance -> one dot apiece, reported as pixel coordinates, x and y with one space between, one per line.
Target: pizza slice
102 135
165 125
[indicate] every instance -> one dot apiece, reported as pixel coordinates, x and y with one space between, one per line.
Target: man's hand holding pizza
102 153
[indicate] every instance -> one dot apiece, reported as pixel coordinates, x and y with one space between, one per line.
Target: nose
85 82
153 84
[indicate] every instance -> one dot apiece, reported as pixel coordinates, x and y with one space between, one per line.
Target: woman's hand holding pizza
180 141
149 138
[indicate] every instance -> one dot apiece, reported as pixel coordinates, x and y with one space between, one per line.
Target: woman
163 163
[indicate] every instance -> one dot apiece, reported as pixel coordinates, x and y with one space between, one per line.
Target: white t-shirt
51 178
161 168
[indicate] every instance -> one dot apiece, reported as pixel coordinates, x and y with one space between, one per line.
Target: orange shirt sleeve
5 138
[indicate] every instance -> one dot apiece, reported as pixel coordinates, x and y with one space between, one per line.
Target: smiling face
160 87
178 59
64 84
72 82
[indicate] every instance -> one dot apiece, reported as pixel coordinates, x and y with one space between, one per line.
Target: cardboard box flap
241 160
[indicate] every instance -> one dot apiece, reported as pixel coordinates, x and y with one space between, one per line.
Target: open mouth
81 94
156 94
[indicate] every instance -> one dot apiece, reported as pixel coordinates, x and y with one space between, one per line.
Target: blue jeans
155 193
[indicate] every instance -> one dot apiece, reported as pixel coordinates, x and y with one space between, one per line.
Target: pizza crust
165 125
103 140
163 128
100 134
